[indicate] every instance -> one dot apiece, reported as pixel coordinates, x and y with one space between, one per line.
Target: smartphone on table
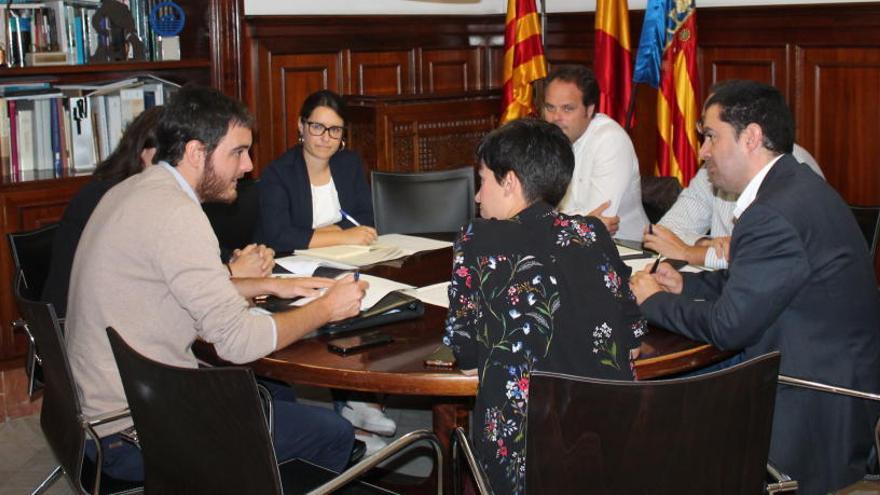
348 345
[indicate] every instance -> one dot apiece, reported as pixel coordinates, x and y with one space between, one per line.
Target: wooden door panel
382 73
765 64
447 71
844 143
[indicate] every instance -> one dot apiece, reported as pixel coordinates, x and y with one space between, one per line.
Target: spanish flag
523 59
668 51
612 62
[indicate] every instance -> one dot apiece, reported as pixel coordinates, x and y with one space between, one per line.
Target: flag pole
631 108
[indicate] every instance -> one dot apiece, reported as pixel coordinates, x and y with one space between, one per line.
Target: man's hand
611 223
343 299
301 286
663 241
721 245
645 284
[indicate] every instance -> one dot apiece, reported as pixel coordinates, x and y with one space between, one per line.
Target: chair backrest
200 430
31 252
868 218
234 223
423 202
705 434
61 411
658 195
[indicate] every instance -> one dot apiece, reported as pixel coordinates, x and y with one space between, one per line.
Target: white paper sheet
411 244
436 294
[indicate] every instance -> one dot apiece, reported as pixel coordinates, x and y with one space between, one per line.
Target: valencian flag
523 59
667 58
612 62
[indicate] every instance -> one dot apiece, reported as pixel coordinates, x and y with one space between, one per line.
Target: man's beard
212 188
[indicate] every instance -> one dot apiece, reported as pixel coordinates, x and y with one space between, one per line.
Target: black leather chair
405 203
31 251
234 223
61 417
204 431
658 195
868 218
702 434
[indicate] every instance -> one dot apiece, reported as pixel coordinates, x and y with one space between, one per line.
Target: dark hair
745 102
201 114
125 160
323 98
538 153
580 76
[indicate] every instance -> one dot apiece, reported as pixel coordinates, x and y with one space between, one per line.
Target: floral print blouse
544 291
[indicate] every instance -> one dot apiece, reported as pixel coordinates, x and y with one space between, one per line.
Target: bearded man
148 265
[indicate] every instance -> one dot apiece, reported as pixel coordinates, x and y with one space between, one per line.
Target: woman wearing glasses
316 193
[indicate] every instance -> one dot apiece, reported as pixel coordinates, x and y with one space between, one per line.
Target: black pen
656 264
357 275
651 231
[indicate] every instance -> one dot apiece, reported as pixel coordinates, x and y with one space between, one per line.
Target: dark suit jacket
800 281
74 220
285 221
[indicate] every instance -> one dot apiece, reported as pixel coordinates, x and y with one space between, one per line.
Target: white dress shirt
606 168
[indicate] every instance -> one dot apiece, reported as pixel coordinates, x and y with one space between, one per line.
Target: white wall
458 7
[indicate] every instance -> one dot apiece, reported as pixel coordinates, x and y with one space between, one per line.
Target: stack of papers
354 255
386 248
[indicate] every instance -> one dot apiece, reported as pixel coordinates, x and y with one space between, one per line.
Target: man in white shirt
800 282
606 178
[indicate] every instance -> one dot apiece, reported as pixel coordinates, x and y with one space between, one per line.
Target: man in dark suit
800 281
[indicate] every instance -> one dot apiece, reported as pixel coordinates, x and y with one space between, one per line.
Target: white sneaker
362 416
374 443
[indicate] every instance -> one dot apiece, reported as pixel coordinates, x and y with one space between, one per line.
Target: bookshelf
211 29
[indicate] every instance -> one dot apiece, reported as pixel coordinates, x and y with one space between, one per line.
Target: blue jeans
312 433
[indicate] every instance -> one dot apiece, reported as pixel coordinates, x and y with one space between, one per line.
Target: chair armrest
386 452
780 482
266 401
460 442
105 418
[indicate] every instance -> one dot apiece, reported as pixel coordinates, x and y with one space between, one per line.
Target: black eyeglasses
318 129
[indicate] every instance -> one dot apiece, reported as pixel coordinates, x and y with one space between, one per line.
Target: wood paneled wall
824 58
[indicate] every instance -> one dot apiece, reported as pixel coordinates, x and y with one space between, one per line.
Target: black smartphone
348 345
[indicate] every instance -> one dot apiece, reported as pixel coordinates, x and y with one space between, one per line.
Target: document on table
639 264
436 294
379 288
305 265
354 255
411 244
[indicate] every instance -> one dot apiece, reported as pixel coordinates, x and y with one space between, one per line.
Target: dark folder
395 306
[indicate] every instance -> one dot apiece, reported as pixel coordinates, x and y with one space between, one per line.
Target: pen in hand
349 218
656 264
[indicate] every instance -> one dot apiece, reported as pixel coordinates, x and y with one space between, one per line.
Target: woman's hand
361 235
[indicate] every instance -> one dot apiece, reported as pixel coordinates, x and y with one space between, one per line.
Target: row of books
65 130
61 31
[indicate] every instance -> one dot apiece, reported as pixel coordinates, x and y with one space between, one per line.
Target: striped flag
667 58
523 59
613 59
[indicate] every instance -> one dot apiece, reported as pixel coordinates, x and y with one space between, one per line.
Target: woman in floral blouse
532 289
